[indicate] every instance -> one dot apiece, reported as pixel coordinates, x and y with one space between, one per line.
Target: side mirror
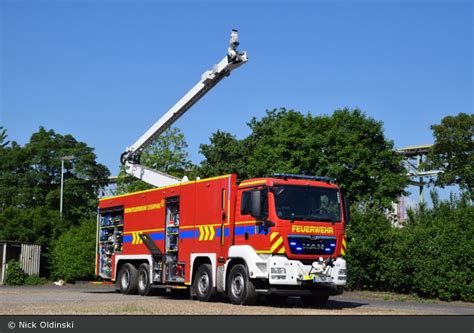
347 211
257 204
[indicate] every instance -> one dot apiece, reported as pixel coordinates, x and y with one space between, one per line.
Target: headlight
278 270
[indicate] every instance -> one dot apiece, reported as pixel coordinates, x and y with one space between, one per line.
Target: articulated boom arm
131 157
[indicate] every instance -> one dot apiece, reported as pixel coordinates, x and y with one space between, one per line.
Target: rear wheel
240 289
127 279
144 281
315 300
202 284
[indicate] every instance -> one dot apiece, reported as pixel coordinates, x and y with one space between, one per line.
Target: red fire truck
280 235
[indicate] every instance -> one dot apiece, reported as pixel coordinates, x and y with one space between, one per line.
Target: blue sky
105 71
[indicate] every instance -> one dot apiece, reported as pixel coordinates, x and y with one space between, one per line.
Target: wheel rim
203 283
143 281
238 284
125 279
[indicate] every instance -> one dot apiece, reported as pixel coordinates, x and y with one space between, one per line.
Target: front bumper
284 273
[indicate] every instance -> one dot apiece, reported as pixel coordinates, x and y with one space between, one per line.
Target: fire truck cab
280 236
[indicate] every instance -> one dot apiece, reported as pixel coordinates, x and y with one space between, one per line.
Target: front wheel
240 289
202 284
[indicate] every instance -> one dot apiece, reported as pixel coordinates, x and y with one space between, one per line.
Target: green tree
280 142
167 154
31 175
346 145
224 155
453 151
30 189
3 137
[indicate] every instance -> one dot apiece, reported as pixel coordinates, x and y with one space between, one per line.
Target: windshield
307 203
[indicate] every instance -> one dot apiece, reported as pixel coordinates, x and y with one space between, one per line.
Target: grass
129 309
389 296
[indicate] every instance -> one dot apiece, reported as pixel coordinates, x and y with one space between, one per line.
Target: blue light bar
332 244
293 243
299 248
294 176
327 249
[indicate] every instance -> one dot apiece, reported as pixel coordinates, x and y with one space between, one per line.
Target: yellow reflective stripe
253 183
142 231
344 242
273 235
223 198
211 236
277 243
136 238
206 232
165 187
245 222
282 250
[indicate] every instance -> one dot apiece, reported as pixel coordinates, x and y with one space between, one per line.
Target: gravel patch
102 299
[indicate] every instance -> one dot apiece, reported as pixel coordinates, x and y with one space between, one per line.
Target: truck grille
312 244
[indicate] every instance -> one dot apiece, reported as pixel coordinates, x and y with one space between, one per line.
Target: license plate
321 278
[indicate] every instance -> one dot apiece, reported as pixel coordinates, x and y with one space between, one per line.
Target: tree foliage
74 252
30 189
167 154
346 145
3 137
453 151
30 176
224 155
432 256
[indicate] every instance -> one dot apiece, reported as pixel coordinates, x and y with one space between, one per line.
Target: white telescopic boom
210 78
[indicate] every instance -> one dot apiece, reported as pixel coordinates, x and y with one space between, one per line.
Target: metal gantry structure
414 158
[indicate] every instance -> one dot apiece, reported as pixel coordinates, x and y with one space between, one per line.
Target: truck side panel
203 222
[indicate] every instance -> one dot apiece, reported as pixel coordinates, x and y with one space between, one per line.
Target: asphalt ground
102 299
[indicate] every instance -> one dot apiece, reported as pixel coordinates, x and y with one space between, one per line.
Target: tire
315 300
240 289
127 279
143 280
202 284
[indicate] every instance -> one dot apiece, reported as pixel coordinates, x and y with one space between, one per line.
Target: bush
15 275
442 250
73 254
432 256
34 280
371 251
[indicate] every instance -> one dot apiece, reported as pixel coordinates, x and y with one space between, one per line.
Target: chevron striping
276 244
213 233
